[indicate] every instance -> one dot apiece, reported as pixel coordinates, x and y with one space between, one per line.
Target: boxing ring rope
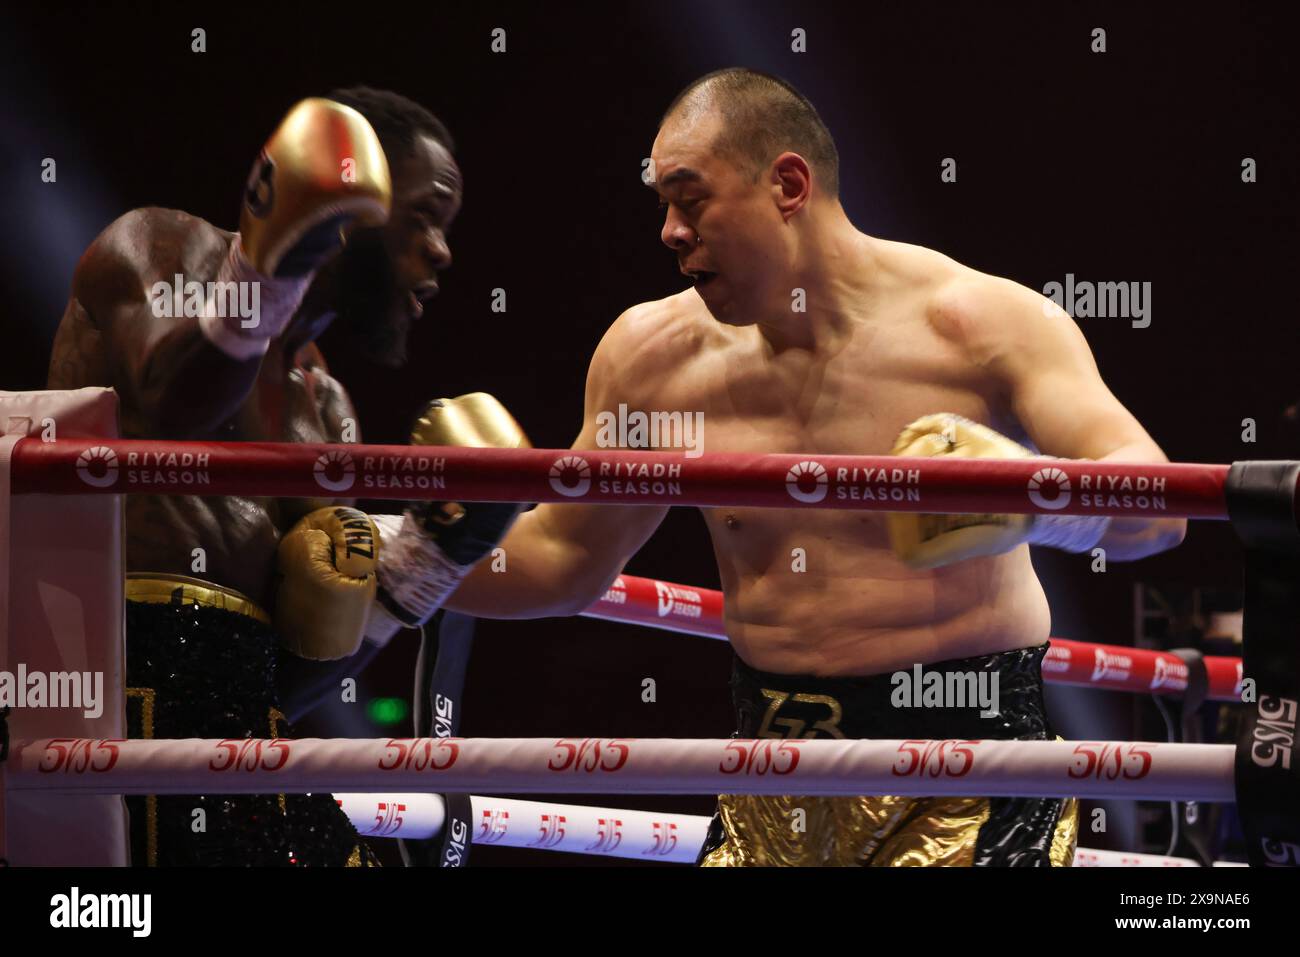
660 836
604 832
508 822
698 611
620 477
1096 857
1143 771
1127 770
676 838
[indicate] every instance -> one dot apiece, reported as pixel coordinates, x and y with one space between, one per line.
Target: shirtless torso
917 335
855 609
106 334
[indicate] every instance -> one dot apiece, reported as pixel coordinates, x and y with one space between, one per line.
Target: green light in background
387 710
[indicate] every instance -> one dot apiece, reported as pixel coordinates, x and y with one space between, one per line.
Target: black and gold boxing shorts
201 663
882 831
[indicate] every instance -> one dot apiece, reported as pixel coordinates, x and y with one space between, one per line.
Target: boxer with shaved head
800 333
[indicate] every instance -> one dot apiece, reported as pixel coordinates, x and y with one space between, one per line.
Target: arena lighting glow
387 711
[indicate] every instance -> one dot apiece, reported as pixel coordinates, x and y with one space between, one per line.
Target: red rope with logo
698 611
618 477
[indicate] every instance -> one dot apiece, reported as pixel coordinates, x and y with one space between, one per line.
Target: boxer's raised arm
559 559
183 371
173 382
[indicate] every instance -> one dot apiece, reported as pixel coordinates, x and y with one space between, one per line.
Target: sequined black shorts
197 671
884 831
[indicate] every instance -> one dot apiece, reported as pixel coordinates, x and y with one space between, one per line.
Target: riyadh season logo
97 466
334 471
571 476
803 475
1058 485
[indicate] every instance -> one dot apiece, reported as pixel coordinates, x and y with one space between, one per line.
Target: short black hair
763 116
397 120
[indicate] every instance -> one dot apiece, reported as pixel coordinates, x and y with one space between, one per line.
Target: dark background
1122 166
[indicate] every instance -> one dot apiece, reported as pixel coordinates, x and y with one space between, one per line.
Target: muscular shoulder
984 315
139 247
652 340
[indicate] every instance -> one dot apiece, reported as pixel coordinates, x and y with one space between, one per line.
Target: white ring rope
604 832
1147 771
1096 857
508 822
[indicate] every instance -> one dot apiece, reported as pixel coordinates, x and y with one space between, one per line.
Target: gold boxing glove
327 565
323 168
477 420
928 541
433 547
466 532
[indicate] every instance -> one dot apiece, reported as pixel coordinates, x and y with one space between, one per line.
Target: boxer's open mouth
702 277
419 296
415 308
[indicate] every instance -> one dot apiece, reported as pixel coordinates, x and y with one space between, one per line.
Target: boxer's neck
836 266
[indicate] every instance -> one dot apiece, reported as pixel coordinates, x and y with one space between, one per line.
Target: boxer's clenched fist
322 169
435 544
327 564
928 541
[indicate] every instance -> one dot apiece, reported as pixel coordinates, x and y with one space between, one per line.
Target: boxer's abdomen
238 538
854 609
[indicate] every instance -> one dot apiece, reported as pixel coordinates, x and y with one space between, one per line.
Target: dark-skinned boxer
237 605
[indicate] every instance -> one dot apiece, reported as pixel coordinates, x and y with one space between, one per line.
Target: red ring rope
698 611
864 482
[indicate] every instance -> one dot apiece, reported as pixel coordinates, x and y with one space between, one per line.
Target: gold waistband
158 588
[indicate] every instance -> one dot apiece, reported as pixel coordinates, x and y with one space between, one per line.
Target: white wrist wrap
381 626
274 302
413 571
1070 533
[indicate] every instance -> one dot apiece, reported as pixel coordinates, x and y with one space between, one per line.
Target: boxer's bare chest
231 540
818 590
890 368
852 399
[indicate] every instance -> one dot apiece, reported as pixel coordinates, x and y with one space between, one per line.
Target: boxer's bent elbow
585 590
545 579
